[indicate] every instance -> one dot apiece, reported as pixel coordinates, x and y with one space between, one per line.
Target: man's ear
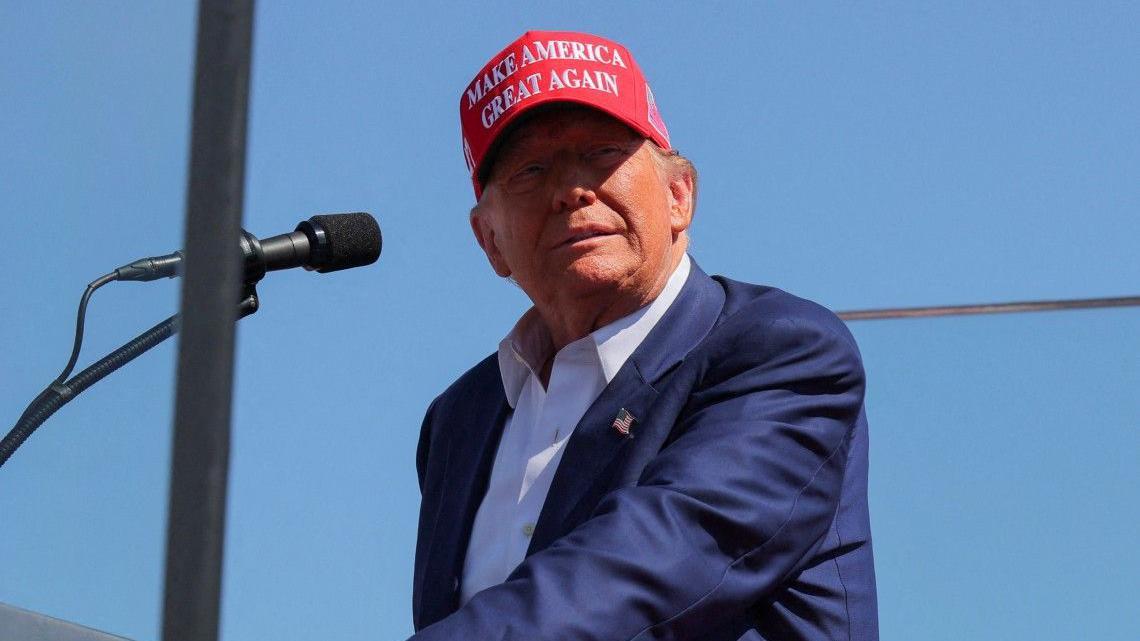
485 236
680 202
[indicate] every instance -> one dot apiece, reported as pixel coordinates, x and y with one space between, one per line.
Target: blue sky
862 155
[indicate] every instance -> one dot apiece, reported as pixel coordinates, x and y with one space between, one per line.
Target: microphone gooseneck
324 244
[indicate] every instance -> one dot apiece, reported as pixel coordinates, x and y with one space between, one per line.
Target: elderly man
652 453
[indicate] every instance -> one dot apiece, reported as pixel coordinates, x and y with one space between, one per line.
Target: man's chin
593 273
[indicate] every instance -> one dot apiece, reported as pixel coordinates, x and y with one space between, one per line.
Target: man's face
578 203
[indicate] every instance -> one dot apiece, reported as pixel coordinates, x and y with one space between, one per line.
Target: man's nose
573 185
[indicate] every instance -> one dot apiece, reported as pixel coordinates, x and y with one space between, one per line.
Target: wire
79 318
77 345
993 308
56 396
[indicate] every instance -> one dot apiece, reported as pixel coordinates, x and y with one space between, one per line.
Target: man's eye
608 151
526 178
527 171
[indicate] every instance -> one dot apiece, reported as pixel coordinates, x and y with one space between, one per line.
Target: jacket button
454 583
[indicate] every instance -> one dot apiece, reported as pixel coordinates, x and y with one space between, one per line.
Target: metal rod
995 308
211 288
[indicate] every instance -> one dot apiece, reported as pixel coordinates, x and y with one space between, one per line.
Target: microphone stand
59 394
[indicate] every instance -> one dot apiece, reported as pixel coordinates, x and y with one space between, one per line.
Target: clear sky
859 154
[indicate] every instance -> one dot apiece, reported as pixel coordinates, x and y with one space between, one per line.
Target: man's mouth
586 235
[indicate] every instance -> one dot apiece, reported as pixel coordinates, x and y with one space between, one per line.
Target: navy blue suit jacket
737 509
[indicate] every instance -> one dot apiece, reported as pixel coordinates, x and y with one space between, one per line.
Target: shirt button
528 529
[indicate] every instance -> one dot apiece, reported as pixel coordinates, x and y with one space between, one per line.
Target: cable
60 393
76 346
993 308
57 395
79 318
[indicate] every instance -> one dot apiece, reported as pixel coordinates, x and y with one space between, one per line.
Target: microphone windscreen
345 240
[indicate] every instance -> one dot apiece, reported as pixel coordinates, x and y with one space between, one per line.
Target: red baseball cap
554 66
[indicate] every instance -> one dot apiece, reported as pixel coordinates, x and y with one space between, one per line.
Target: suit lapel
470 458
592 446
595 441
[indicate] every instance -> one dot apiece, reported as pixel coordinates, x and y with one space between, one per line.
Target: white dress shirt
537 430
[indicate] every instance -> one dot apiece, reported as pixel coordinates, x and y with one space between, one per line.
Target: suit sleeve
425 519
731 506
424 445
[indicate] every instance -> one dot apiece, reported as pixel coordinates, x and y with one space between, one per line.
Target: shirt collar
529 344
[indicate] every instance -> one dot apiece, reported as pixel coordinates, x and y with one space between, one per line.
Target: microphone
323 244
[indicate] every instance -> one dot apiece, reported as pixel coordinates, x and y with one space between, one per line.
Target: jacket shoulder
458 399
755 309
477 382
764 328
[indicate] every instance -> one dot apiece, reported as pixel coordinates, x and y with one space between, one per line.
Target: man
652 453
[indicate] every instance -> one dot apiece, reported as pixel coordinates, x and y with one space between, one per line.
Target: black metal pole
211 289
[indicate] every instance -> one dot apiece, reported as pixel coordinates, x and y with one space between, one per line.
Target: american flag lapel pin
624 422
